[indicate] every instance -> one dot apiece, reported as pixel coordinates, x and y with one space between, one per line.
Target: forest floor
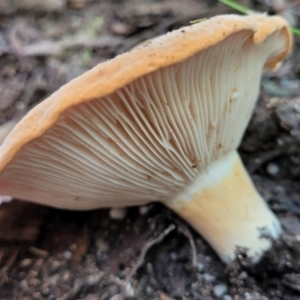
47 253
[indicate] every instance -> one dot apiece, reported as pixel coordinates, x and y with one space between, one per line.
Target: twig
50 47
265 157
56 48
16 46
163 296
83 244
185 231
73 291
292 281
11 260
141 258
38 252
81 284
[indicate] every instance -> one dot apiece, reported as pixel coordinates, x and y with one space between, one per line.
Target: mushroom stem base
223 205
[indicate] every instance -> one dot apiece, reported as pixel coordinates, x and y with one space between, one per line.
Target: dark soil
50 254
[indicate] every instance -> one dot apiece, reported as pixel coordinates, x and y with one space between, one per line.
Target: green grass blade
238 7
244 10
295 31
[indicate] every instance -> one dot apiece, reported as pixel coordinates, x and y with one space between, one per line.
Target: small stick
73 291
11 260
185 231
141 258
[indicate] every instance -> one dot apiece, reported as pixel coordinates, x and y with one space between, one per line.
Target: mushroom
159 123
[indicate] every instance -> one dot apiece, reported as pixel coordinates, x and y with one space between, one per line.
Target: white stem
223 205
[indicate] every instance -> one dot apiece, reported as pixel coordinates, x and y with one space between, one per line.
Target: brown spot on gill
219 146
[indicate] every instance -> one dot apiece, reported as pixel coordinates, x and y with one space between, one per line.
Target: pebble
208 278
102 246
227 297
279 189
77 4
45 285
22 275
32 273
243 275
66 276
53 280
173 256
200 267
149 291
91 297
55 265
34 282
129 290
94 278
5 199
68 255
37 295
24 284
26 263
144 209
73 247
220 290
149 268
118 213
289 264
45 291
38 263
273 169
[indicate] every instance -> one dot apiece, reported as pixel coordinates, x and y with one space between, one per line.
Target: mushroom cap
52 156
